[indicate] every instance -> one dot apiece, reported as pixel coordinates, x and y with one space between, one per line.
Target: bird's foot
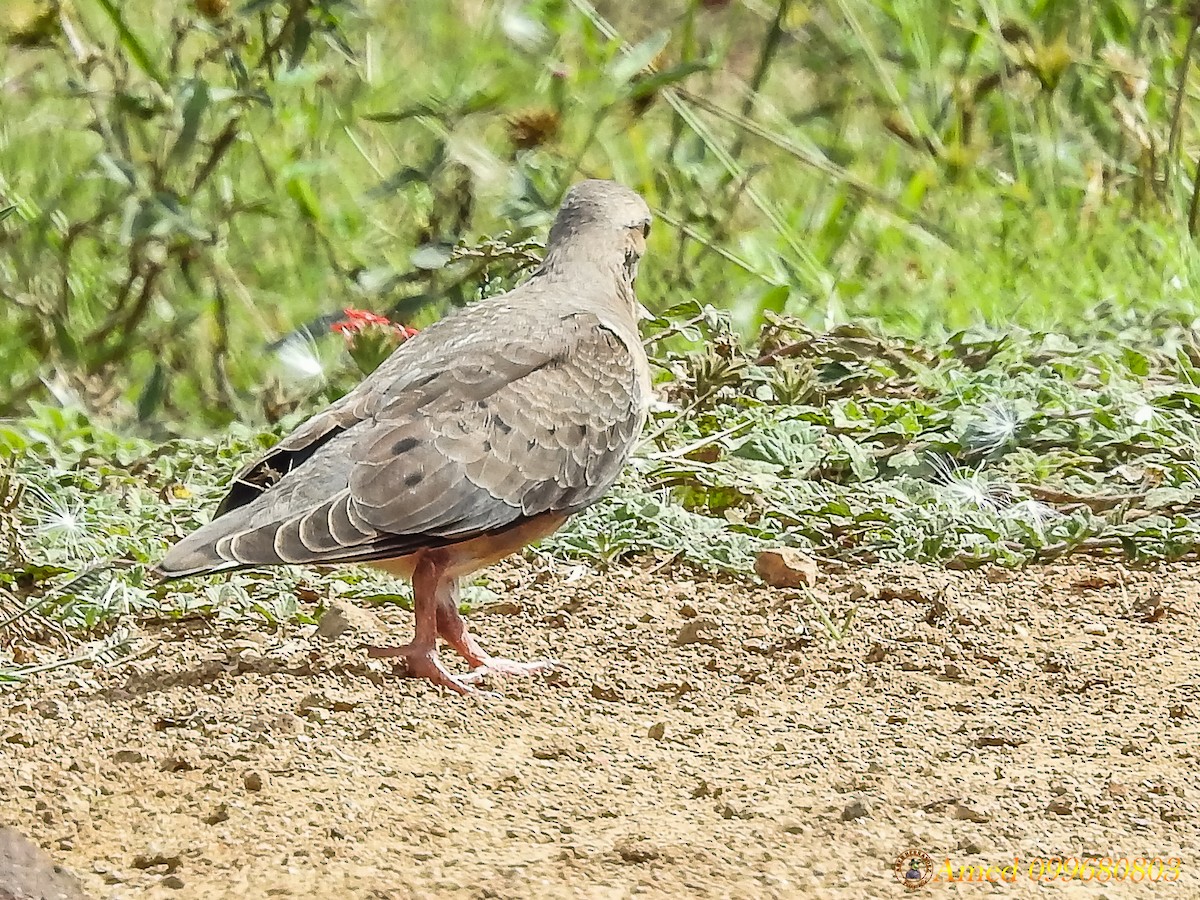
483 666
453 630
423 662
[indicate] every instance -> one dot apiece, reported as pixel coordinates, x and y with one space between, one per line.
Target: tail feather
197 554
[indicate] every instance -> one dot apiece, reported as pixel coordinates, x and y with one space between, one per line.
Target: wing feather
437 451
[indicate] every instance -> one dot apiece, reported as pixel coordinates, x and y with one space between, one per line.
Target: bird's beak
644 314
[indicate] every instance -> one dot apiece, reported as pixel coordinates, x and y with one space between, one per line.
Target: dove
482 433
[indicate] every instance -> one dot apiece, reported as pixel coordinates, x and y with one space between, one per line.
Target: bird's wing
438 449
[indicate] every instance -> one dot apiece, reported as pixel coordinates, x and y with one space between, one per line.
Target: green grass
968 222
183 196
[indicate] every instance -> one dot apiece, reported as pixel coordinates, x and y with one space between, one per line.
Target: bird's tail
196 554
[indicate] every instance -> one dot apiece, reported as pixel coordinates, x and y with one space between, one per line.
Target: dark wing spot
412 479
504 427
487 446
405 444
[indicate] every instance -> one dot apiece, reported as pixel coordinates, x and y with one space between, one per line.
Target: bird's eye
646 230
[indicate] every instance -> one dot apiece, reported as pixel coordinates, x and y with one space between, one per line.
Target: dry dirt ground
701 739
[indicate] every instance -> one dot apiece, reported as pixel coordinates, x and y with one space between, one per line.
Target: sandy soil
701 739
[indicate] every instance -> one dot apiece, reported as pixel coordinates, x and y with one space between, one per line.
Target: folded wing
435 452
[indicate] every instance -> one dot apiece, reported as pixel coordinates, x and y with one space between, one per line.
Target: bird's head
604 224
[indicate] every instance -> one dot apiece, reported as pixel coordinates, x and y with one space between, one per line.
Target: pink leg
420 656
453 629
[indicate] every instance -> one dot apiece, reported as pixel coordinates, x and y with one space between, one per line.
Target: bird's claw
498 665
420 662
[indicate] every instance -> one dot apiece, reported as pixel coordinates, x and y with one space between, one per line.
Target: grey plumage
519 406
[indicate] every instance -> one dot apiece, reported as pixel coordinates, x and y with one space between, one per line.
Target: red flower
358 320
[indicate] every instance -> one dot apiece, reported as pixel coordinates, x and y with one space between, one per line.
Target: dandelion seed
298 357
967 487
63 526
995 425
1035 514
68 522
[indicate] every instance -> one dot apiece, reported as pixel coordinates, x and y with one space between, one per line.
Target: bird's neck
587 274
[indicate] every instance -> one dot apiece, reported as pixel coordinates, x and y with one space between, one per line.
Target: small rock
218 815
856 809
1149 609
657 731
1056 661
343 617
974 844
285 723
735 809
168 862
864 590
322 701
1000 739
49 709
174 882
498 608
966 813
605 692
1097 628
129 756
1060 806
692 632
786 567
637 851
252 781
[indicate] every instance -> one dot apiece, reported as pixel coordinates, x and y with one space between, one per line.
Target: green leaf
197 100
1136 362
301 36
773 299
152 394
430 256
656 81
305 197
133 46
424 108
118 170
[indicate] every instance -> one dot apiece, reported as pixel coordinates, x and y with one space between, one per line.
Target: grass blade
133 45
